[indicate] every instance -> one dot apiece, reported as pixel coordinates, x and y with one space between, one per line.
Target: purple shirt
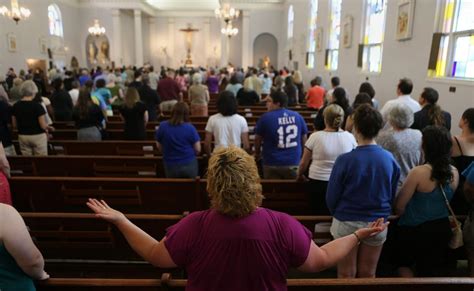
249 253
213 84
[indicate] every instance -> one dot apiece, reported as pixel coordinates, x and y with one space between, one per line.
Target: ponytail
435 115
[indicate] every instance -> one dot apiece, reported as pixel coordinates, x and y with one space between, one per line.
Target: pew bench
81 245
143 195
376 284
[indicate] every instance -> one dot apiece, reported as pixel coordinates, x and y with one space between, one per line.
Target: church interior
236 144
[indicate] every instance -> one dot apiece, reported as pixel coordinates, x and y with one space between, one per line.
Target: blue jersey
281 131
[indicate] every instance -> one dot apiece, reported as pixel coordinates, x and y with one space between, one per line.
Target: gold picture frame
405 14
12 42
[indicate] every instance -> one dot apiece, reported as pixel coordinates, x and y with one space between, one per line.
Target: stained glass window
55 20
313 14
334 34
291 21
456 47
375 11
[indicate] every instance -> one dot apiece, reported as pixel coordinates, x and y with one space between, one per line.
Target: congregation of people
364 162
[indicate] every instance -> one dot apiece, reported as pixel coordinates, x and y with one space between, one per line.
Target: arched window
334 34
55 20
313 15
452 52
291 21
375 11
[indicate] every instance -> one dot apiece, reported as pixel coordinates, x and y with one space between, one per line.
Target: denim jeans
188 170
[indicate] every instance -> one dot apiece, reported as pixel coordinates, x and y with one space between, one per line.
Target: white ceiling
184 4
203 4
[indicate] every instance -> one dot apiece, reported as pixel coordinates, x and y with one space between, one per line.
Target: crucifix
189 37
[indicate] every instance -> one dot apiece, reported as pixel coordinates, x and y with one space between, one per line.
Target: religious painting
97 51
347 31
11 42
319 39
405 13
43 45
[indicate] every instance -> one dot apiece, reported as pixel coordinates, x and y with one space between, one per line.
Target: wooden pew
91 166
142 195
366 284
131 195
81 245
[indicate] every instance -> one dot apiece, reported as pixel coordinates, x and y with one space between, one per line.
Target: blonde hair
131 97
233 182
333 116
297 77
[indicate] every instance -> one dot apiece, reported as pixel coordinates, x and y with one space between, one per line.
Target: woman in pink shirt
5 195
235 245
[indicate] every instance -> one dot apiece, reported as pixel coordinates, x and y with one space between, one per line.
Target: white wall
400 58
267 21
265 45
127 26
28 32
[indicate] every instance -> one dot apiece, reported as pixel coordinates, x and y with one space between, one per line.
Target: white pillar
117 38
153 42
224 49
170 59
207 41
138 38
246 47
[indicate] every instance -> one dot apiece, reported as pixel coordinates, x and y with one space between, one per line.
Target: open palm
104 211
374 228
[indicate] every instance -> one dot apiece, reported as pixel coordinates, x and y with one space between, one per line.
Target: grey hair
197 78
28 88
401 116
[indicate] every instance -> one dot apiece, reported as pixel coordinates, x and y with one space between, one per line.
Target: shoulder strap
446 201
459 145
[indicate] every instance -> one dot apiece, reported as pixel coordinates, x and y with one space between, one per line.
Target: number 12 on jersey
287 136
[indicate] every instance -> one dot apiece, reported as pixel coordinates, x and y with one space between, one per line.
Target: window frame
311 54
365 68
58 20
330 50
290 22
452 38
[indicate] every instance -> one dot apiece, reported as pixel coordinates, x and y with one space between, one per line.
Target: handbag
456 240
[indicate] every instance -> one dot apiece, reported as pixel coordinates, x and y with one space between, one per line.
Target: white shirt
326 147
74 93
405 99
45 103
227 130
154 78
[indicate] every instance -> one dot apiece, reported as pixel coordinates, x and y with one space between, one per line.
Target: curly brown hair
233 182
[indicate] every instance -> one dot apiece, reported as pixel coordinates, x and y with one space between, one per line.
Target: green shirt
12 278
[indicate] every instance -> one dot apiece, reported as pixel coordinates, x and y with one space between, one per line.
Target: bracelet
358 238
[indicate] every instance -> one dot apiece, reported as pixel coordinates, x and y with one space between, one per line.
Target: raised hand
374 228
104 211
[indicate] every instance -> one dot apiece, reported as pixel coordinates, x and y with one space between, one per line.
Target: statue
189 37
103 55
92 53
266 62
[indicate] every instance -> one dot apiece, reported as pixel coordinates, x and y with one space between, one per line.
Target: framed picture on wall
347 31
11 42
43 45
405 14
319 38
